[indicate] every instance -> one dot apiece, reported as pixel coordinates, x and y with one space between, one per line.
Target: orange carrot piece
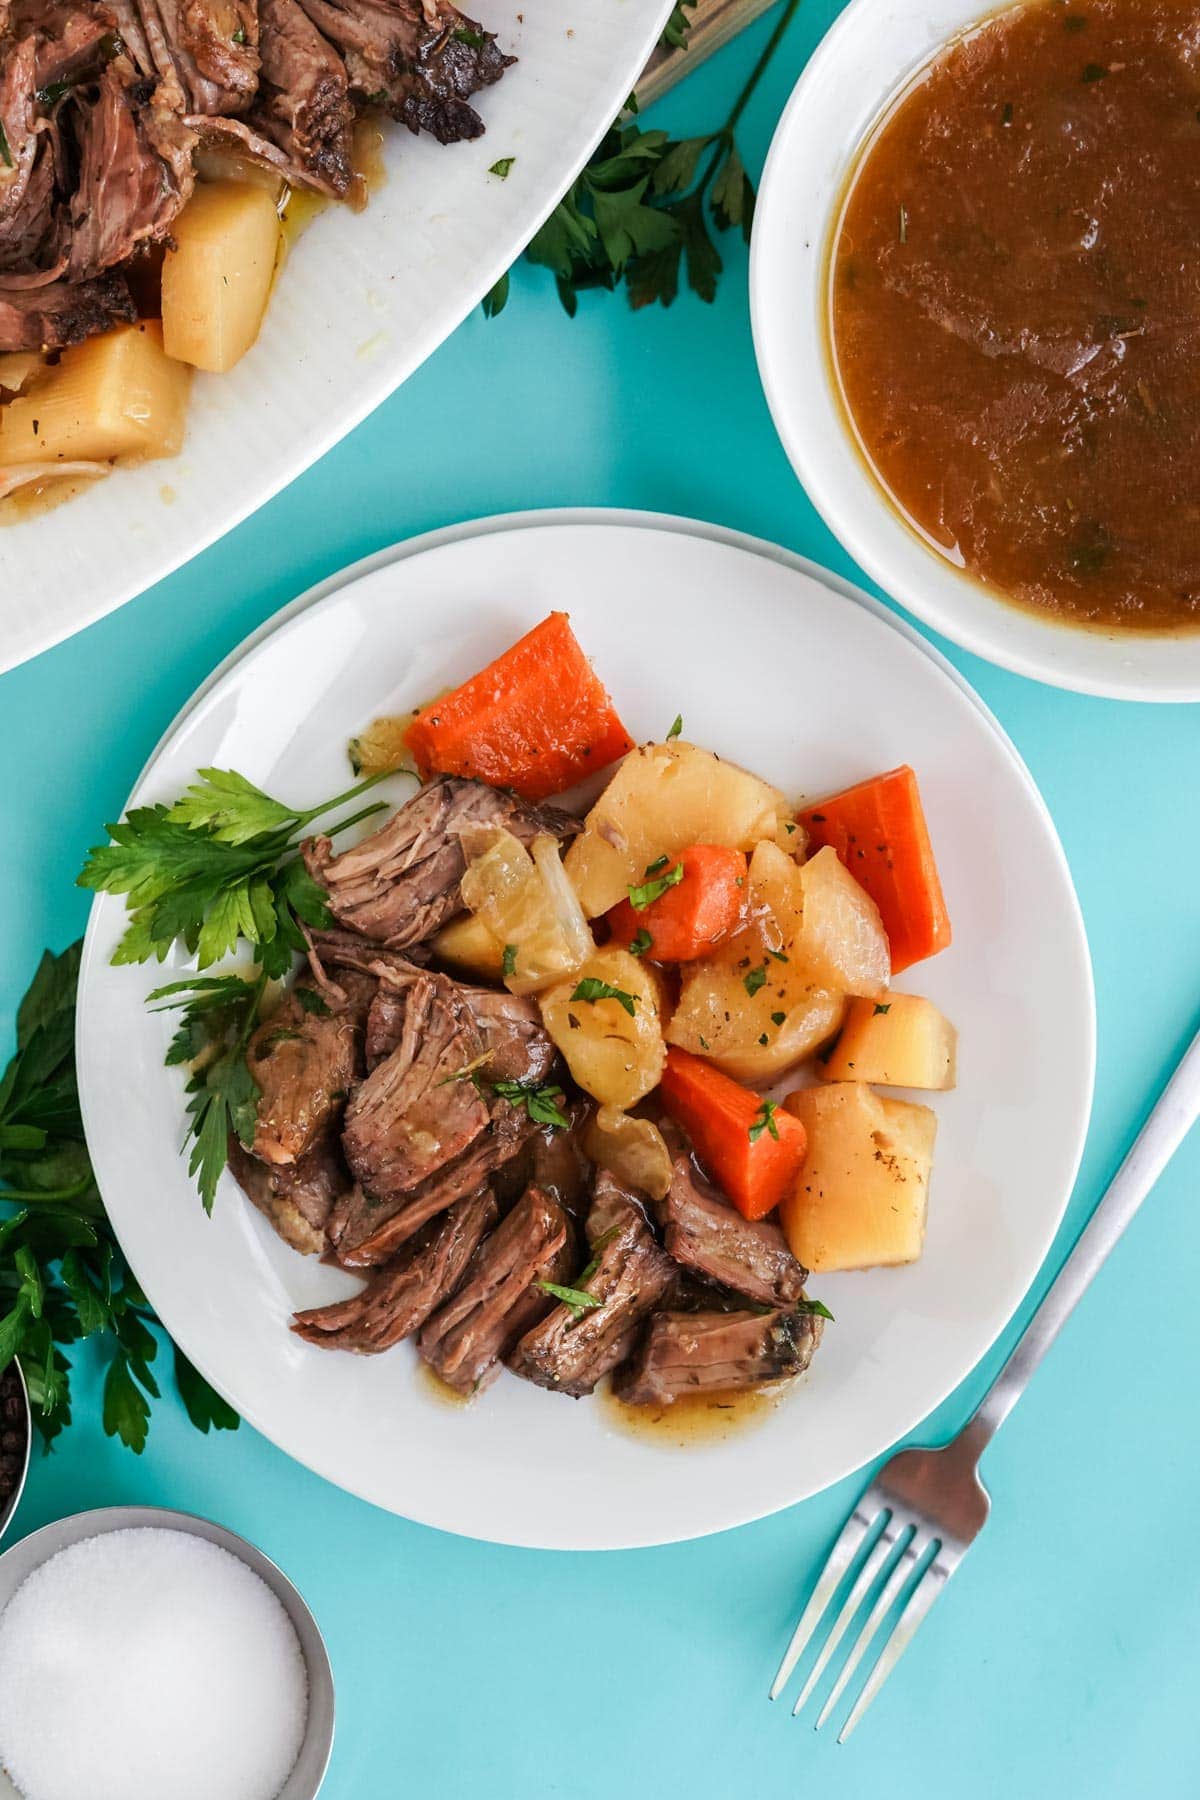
702 907
753 1151
878 830
536 720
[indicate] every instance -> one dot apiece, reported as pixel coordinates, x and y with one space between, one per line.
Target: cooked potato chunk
661 799
115 395
633 1149
842 943
614 1054
860 1197
752 1007
468 946
905 1043
526 904
217 279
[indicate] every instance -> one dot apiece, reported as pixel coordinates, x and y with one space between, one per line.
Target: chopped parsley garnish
53 91
778 1018
508 962
645 893
779 955
541 1103
757 978
239 36
764 1120
1006 113
5 152
574 1299
468 1072
1094 72
660 862
676 729
501 167
816 1308
312 1002
640 942
474 40
881 1009
590 988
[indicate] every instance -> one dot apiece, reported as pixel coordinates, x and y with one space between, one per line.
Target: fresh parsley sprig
541 1103
574 1299
63 1277
218 1014
640 212
218 868
593 989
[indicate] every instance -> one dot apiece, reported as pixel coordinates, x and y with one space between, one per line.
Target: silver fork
924 1509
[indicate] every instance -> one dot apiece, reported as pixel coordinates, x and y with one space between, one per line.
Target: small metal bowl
9 1507
308 1773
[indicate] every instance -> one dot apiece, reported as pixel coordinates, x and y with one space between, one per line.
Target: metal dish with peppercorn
15 1432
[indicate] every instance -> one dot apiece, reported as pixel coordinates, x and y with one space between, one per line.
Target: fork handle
1153 1148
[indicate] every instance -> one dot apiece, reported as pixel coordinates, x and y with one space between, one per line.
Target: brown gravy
695 1418
1015 308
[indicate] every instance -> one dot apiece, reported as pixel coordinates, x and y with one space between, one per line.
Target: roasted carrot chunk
701 898
536 720
752 1150
878 830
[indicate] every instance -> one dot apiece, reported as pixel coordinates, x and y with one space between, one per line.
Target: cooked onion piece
527 904
634 1150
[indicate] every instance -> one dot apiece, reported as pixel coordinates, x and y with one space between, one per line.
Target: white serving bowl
8 1507
870 53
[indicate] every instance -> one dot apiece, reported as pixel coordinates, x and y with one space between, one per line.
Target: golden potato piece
661 799
860 1197
527 905
752 1007
613 1054
841 943
217 279
115 395
905 1042
468 946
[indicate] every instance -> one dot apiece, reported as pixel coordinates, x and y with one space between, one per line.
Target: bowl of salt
152 1654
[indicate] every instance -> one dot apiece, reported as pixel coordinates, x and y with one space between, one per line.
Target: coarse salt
149 1665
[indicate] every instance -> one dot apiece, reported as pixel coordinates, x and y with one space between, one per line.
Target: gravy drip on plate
1015 308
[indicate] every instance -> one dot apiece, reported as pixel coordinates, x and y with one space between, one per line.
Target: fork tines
889 1565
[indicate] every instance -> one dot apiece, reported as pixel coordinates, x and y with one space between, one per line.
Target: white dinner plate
361 302
809 683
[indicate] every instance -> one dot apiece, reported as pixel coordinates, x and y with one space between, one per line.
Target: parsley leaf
881 1009
219 1014
675 31
640 942
205 1407
590 988
541 1103
645 893
676 728
764 1120
575 1299
757 978
816 1307
62 1274
502 166
508 963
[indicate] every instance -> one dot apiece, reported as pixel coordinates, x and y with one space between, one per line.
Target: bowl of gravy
976 299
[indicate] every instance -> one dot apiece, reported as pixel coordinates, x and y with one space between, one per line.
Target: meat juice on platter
582 1096
145 162
1012 308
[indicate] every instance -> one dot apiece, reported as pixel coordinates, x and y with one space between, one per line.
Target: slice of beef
305 1062
401 883
716 1352
499 1298
135 168
365 1231
707 1235
65 312
73 39
515 1042
422 59
570 1352
206 49
398 1300
412 1116
296 1197
304 97
18 116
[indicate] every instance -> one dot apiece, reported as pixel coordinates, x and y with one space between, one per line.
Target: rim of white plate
681 525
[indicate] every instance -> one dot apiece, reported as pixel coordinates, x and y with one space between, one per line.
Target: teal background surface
1064 1658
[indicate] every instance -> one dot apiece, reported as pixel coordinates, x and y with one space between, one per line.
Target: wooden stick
713 23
